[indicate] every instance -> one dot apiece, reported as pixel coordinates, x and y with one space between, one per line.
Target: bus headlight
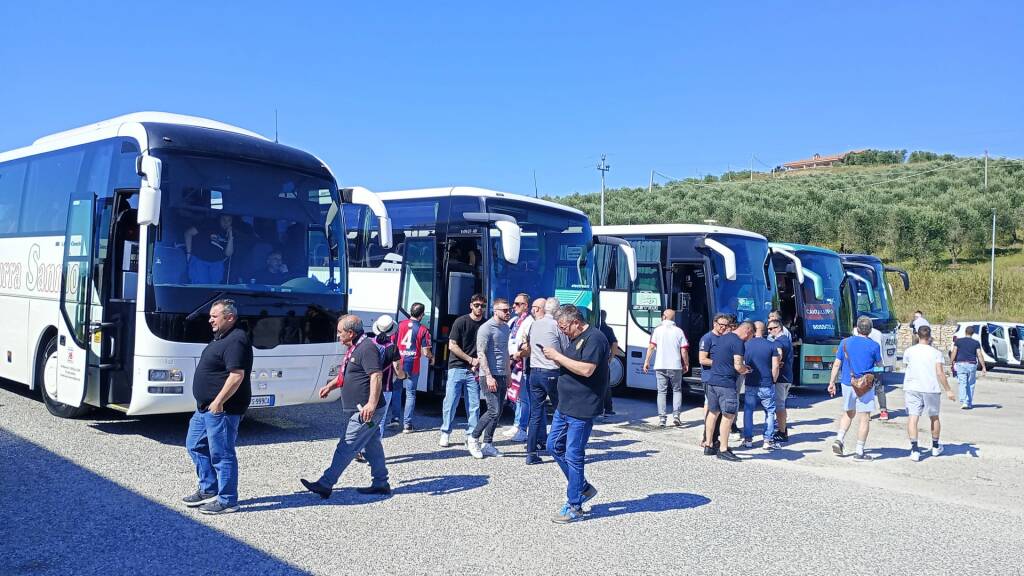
172 375
813 363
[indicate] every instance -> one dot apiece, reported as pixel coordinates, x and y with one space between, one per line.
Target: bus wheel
616 374
46 382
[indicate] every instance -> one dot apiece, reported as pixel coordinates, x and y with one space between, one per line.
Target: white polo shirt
668 339
919 374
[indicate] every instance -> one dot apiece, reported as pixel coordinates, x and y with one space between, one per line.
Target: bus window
51 180
12 182
645 298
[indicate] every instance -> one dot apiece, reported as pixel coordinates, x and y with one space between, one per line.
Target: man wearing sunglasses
708 342
519 372
492 356
462 363
784 345
582 380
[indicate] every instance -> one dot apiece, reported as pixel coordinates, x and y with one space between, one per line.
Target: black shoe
780 437
728 456
316 488
382 490
199 498
710 451
609 412
360 457
533 459
216 507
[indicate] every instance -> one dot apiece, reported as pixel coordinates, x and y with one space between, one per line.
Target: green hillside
933 216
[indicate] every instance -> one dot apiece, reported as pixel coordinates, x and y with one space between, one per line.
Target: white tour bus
697 270
450 243
102 305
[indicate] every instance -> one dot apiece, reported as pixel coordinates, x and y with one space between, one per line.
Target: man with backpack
856 358
413 342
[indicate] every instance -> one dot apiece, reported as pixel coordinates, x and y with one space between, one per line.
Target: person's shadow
663 502
347 496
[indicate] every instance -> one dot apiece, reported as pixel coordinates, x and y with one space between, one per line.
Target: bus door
120 281
77 349
646 301
1017 342
999 343
688 296
417 283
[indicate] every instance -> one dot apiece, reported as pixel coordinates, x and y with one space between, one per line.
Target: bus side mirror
149 192
510 240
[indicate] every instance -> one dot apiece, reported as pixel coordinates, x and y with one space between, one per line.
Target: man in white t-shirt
916 323
922 377
670 363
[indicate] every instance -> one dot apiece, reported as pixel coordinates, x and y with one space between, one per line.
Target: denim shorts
722 399
865 403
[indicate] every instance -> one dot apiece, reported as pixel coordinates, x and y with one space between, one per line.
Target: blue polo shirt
723 372
707 344
859 353
786 360
758 354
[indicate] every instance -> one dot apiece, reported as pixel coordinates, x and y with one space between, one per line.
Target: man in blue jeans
222 391
462 366
362 392
544 334
966 357
763 358
582 379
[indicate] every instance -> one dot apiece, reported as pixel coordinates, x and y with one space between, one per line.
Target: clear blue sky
483 93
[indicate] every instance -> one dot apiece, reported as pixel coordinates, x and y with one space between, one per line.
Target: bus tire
46 382
617 374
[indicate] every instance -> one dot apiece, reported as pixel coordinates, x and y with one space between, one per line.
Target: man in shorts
723 390
924 373
784 345
856 356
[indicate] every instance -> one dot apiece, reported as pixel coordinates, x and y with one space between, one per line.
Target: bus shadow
662 502
263 427
347 496
53 499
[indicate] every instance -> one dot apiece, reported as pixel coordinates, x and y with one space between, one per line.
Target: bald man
671 361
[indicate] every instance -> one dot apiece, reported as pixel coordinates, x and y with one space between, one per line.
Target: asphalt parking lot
101 496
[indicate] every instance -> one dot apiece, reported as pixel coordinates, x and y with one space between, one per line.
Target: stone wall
942 337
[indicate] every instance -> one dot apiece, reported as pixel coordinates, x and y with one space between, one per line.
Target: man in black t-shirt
722 389
360 379
967 357
207 247
462 366
582 381
222 391
613 351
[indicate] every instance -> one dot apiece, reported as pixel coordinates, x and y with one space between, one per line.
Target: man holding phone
544 334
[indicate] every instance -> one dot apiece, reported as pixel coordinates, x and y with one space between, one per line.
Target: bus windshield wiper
222 293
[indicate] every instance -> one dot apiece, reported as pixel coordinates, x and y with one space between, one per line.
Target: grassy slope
832 207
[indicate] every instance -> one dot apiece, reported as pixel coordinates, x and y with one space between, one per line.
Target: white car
1001 342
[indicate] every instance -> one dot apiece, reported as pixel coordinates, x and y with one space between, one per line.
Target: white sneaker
937 451
510 431
747 444
444 441
520 436
474 448
915 456
489 450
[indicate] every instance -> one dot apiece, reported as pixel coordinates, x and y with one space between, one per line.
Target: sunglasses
722 324
519 303
478 304
502 310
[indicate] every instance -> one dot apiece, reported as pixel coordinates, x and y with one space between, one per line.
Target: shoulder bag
861 384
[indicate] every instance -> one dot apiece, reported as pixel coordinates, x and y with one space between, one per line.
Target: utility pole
603 167
992 270
536 193
751 167
650 187
275 125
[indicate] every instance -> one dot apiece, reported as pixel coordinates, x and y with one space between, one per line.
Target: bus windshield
552 255
880 308
821 295
751 294
247 228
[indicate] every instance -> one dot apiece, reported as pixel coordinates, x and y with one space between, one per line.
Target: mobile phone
541 346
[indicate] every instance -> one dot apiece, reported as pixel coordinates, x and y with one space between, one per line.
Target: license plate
261 401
